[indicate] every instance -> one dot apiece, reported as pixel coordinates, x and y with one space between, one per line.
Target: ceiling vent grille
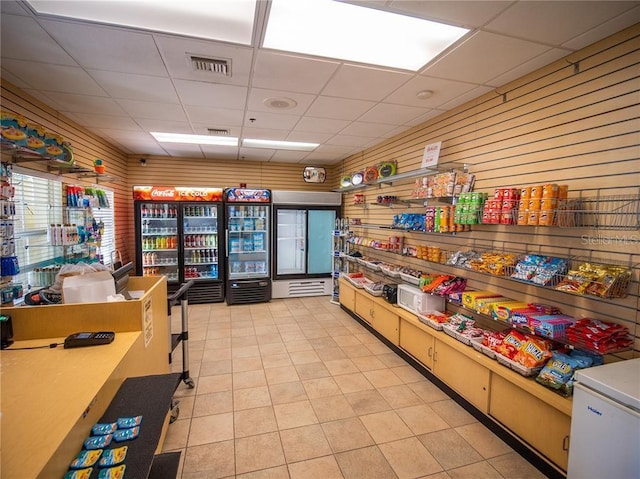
218 131
219 66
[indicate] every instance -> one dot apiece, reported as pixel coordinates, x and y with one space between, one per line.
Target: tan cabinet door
364 307
386 322
347 295
417 342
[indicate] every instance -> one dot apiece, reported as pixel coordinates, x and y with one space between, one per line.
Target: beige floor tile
292 336
302 443
331 354
391 360
216 383
245 352
304 357
321 387
213 461
211 368
365 463
279 472
276 360
246 364
346 339
243 341
312 371
214 428
449 448
428 391
241 331
319 468
273 348
437 475
347 434
299 345
356 351
338 331
295 414
219 333
219 343
408 374
351 383
483 440
282 374
315 333
421 419
341 366
367 402
409 458
366 337
385 426
368 363
250 422
452 412
177 435
212 403
400 396
271 337
478 470
216 354
258 452
249 379
514 466
382 378
185 404
323 343
332 408
251 398
287 392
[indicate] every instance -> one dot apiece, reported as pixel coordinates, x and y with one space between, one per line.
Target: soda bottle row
205 211
194 241
197 272
159 211
203 256
160 242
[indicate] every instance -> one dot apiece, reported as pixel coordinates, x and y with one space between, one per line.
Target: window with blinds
39 205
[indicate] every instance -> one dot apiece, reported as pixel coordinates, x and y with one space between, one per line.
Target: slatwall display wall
86 148
573 122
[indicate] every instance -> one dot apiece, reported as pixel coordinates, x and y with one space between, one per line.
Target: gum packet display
113 457
98 442
128 422
102 429
112 472
86 459
79 474
126 434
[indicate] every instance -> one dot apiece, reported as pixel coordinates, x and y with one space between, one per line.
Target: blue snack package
79 474
112 472
102 429
98 442
86 459
126 434
113 457
128 422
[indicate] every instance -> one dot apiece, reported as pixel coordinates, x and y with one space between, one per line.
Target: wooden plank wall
573 122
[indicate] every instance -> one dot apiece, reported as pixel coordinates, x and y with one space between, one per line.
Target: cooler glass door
321 224
291 242
248 241
159 239
200 241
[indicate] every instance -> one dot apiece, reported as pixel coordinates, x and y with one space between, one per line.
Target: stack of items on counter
109 461
604 281
450 184
469 209
598 335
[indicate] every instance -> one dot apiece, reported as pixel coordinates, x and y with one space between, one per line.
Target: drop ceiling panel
183 150
139 147
12 8
257 96
126 135
214 117
459 100
460 13
92 120
320 125
154 124
349 140
107 48
422 118
214 152
546 58
16 80
308 136
484 56
443 91
254 154
627 19
271 120
177 51
135 87
370 130
210 94
264 133
24 39
364 83
387 113
339 108
276 71
148 109
288 156
87 104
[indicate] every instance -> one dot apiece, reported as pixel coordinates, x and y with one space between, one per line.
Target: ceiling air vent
218 131
219 66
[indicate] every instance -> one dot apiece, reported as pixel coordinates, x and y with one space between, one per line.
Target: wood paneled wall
573 122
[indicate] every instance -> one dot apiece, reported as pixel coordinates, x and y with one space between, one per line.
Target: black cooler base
248 292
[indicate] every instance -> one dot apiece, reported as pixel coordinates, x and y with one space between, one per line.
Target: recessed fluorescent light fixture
333 29
279 145
195 139
224 20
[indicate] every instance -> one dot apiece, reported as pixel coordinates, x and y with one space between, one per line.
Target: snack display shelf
476 343
368 287
430 322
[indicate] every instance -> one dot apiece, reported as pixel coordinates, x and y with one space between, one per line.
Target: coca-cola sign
167 193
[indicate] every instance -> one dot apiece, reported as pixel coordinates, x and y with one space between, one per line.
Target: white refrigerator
605 422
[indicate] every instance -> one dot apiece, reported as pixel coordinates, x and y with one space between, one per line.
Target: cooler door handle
565 443
226 243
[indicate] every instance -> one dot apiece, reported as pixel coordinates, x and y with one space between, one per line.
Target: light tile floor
298 389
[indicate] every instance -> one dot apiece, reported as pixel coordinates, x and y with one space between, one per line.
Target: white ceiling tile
254 154
325 152
257 96
339 108
184 150
391 114
348 140
277 71
140 147
323 161
546 58
24 39
469 62
167 126
12 78
86 103
12 8
214 152
60 78
395 131
124 135
422 118
94 120
459 100
289 156
364 83
308 136
157 110
210 94
605 29
107 48
135 87
214 117
274 121
320 125
459 13
443 91
177 52
264 134
370 130
554 22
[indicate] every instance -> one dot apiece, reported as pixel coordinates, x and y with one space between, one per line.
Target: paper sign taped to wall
431 154
88 288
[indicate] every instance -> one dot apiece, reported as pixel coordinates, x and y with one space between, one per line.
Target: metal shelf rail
181 296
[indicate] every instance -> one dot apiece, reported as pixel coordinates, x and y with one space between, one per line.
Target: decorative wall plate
387 168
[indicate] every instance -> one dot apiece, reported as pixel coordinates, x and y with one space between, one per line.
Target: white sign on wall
431 154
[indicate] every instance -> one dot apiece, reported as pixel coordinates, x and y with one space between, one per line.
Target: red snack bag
511 344
493 339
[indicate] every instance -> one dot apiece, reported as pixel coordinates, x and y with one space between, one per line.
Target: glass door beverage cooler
248 212
177 237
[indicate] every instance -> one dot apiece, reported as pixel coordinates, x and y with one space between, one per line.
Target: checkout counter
51 397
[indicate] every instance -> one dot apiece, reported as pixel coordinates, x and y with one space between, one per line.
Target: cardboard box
550 325
469 297
503 311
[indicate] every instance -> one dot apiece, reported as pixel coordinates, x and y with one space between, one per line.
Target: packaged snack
493 339
533 353
102 429
501 310
113 457
127 422
98 442
112 472
511 344
469 297
86 459
485 305
601 336
126 434
550 325
79 474
544 308
558 372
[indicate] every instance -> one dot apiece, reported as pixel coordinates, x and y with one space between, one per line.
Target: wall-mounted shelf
400 177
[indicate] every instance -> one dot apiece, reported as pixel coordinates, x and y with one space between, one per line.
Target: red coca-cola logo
168 193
